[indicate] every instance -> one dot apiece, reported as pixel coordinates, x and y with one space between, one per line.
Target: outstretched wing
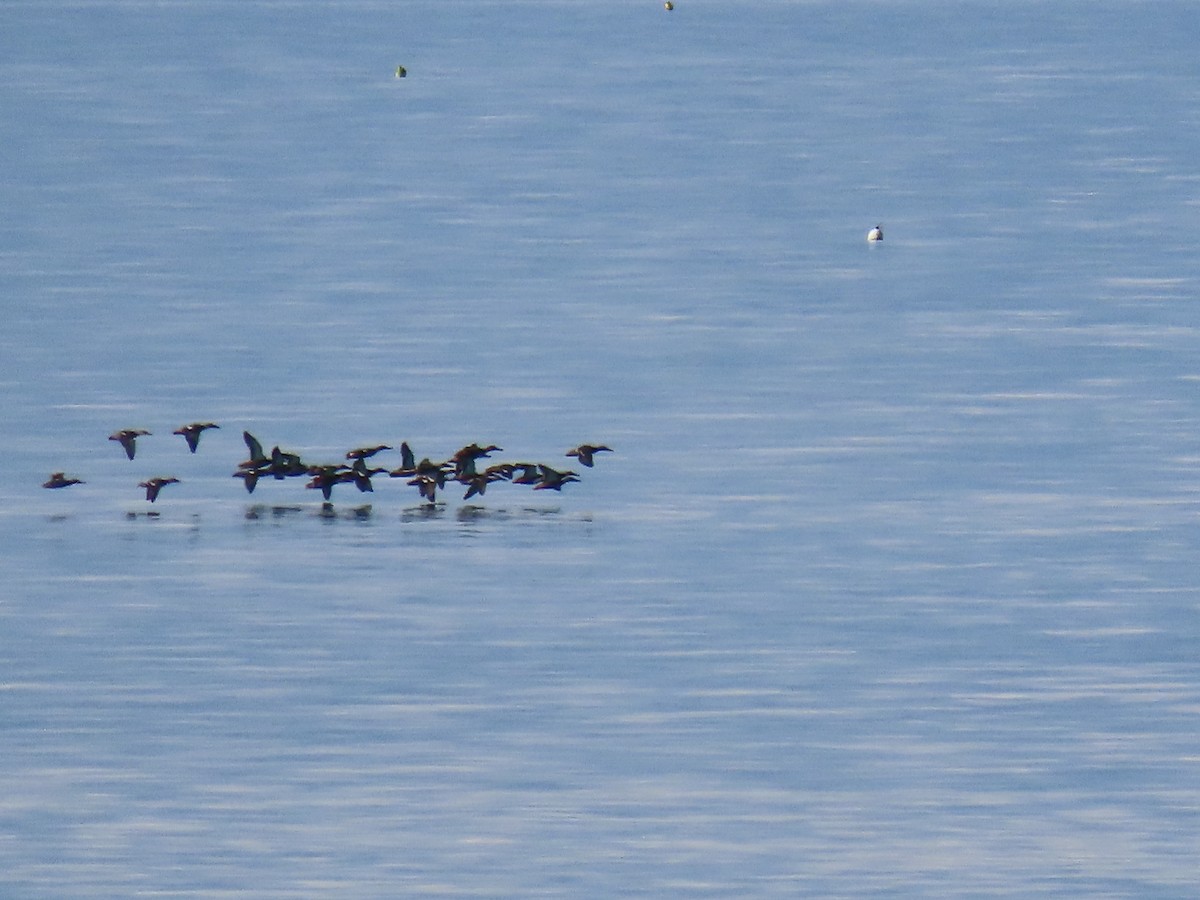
256 450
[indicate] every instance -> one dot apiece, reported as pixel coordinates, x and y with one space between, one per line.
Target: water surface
887 589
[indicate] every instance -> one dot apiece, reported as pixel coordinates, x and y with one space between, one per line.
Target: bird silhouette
324 478
407 460
464 469
427 485
250 477
255 448
477 483
360 474
426 468
553 480
366 452
127 438
584 453
283 464
528 473
154 485
60 480
191 433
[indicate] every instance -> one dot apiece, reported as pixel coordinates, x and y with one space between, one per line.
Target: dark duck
127 438
191 433
154 485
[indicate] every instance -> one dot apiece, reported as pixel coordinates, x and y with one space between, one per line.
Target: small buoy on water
668 6
875 234
401 72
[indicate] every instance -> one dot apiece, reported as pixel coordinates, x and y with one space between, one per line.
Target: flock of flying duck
428 477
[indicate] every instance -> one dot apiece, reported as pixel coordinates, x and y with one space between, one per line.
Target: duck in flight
154 485
553 480
191 433
324 478
60 480
360 474
249 478
584 453
408 462
127 438
256 450
366 452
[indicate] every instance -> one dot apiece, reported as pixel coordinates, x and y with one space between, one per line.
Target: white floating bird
875 234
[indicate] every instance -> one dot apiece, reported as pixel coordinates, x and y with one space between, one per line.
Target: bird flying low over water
283 464
473 452
426 468
428 476
366 452
324 478
279 464
528 473
255 448
408 461
154 485
427 486
360 474
127 438
191 433
876 234
60 480
584 452
249 477
553 480
477 482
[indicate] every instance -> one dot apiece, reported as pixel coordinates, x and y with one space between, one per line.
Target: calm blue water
888 589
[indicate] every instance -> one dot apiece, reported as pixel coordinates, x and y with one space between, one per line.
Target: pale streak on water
889 589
